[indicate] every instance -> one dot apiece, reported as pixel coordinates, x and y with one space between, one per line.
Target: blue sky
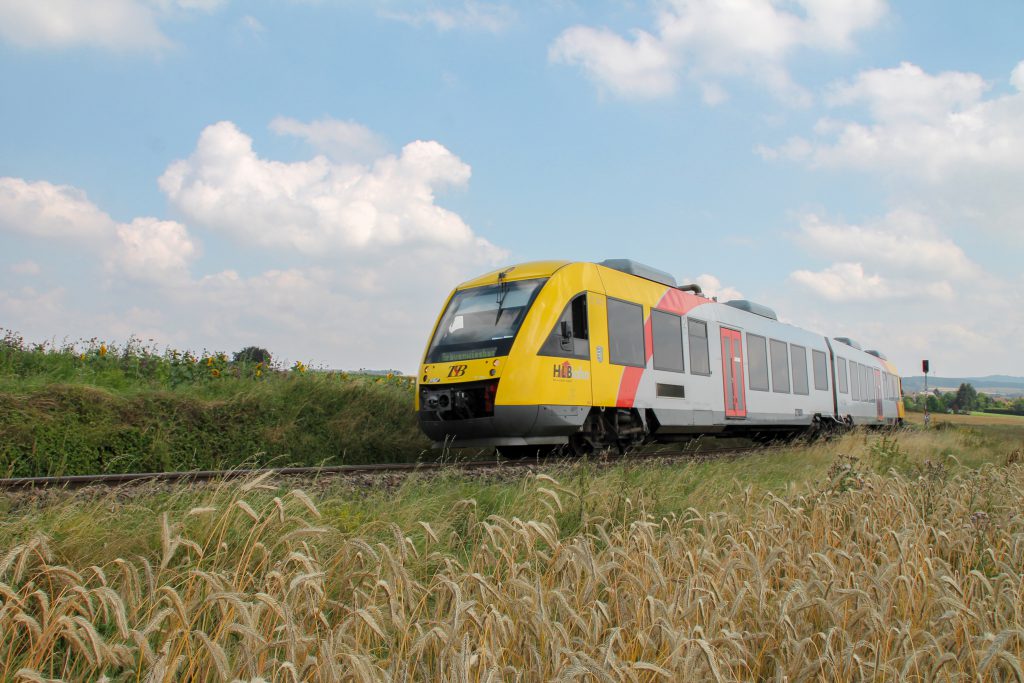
313 177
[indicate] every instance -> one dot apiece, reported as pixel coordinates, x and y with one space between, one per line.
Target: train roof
520 271
753 307
631 267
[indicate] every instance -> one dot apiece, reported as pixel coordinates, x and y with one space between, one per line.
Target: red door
732 374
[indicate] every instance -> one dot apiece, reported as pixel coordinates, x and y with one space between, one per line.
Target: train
588 357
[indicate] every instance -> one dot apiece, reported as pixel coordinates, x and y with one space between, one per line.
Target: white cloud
153 249
365 275
144 249
902 242
118 25
962 329
908 93
901 285
937 139
108 24
711 286
902 255
470 15
31 311
317 207
843 282
708 40
641 68
341 141
26 268
253 25
42 209
1017 76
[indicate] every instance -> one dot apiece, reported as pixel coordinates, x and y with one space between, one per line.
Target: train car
592 356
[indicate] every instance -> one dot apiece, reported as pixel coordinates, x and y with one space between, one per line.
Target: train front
468 356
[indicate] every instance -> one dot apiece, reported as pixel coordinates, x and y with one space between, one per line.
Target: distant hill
1004 385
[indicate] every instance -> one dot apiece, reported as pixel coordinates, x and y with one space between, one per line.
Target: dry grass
584 576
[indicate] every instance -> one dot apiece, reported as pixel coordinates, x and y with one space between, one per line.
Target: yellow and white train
611 354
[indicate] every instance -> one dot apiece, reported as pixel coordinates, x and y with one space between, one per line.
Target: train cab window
780 366
697 331
625 333
667 330
841 375
819 364
757 362
798 356
570 336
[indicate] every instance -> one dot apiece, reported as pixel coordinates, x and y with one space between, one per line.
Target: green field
92 408
871 557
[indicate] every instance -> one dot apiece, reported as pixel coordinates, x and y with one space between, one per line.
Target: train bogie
598 355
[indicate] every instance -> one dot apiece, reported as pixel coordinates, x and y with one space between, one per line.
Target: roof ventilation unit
848 342
751 307
631 267
877 354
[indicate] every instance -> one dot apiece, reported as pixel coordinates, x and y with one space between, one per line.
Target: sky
314 176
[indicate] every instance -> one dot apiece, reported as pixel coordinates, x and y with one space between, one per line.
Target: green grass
92 408
372 507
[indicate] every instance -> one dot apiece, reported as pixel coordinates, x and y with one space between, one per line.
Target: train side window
820 372
798 356
855 377
780 366
625 333
575 344
667 330
844 387
757 362
697 331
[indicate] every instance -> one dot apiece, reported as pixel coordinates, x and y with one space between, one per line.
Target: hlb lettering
563 371
457 370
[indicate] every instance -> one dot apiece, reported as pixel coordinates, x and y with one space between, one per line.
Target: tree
252 354
934 404
966 397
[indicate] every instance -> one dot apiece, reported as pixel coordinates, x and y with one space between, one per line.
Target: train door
732 373
878 394
605 377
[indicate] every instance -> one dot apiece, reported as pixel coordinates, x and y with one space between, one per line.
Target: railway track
197 476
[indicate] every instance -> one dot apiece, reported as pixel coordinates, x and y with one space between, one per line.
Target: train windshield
482 322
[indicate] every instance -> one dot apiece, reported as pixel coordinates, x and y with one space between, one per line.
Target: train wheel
580 446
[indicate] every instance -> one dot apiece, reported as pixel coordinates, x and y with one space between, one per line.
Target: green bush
101 409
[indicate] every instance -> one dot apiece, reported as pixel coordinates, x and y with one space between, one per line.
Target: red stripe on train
673 301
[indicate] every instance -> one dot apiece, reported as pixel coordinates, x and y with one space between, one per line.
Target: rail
194 476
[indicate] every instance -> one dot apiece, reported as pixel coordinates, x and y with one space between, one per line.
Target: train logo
563 370
457 370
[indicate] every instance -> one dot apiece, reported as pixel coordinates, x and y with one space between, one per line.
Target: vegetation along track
83 480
